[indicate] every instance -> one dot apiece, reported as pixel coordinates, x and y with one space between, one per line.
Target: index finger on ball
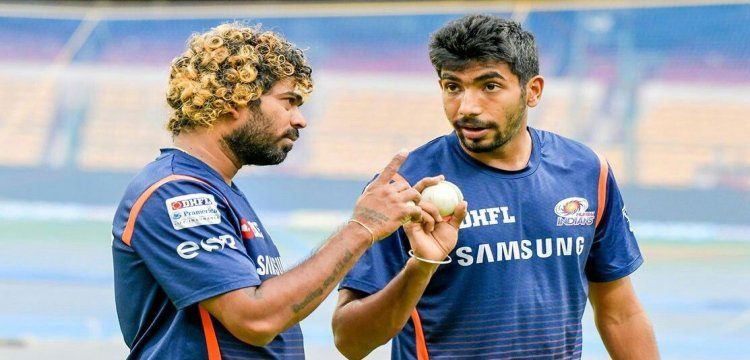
428 181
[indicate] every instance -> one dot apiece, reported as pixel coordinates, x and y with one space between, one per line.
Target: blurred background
662 89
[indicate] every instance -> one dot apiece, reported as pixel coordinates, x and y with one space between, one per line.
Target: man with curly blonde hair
197 276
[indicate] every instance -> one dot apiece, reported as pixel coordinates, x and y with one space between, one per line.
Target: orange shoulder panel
127 235
602 189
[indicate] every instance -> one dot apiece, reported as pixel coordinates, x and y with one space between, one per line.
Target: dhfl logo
191 202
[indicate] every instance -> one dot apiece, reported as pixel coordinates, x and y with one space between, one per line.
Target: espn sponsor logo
192 210
190 249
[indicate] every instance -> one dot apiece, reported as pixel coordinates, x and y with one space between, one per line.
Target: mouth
472 128
473 133
289 138
287 142
291 134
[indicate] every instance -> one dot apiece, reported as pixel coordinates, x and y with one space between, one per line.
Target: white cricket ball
444 195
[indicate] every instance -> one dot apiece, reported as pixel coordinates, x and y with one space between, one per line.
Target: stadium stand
28 107
366 119
124 127
380 84
692 135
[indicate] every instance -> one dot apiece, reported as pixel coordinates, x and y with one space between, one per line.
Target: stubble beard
255 143
513 121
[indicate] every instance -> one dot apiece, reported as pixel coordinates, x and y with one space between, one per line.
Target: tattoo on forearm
308 299
368 214
326 283
337 270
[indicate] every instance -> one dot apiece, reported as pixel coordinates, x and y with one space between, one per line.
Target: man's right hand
434 237
385 205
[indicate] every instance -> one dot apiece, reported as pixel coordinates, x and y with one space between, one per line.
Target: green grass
44 231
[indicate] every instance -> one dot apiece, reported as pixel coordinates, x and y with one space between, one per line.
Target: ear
534 89
228 121
233 113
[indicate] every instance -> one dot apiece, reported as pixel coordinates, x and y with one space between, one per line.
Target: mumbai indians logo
572 211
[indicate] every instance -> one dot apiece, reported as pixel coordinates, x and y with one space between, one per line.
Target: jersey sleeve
614 252
381 263
188 238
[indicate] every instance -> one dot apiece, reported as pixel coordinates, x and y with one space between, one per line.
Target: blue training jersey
182 235
530 243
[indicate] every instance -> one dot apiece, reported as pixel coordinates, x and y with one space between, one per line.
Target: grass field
57 294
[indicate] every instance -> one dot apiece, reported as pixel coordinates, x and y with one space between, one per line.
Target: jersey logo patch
572 211
189 249
192 210
250 229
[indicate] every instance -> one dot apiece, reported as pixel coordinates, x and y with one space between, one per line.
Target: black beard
255 144
501 138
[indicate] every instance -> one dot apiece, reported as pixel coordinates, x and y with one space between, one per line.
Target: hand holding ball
444 195
435 236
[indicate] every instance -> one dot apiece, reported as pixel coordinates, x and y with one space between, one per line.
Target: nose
469 106
298 120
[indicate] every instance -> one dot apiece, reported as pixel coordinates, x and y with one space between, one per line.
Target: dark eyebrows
484 77
444 76
297 97
488 76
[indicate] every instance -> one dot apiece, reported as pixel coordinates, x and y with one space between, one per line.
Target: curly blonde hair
230 66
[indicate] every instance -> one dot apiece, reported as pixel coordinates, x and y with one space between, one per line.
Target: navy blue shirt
182 235
529 245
